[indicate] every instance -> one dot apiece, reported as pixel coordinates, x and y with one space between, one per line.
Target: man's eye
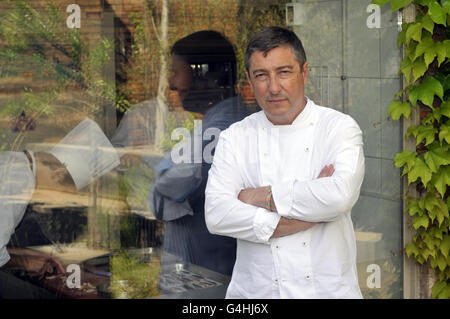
260 75
285 73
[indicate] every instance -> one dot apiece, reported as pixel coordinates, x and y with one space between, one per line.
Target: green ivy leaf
441 215
436 157
437 13
436 232
413 208
446 44
437 209
436 115
439 288
411 249
399 108
405 171
399 94
445 109
405 157
429 119
445 245
420 259
424 2
444 133
430 202
410 51
440 50
425 91
430 241
441 179
419 170
441 262
414 31
446 6
401 38
398 4
427 252
413 129
428 23
426 133
426 44
445 293
419 68
406 67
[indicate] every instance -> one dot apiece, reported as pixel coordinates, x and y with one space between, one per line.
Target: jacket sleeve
177 181
327 199
16 189
225 214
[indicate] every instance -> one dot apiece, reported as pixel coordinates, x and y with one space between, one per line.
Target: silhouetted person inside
203 74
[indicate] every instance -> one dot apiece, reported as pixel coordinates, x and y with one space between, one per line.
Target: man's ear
249 81
305 72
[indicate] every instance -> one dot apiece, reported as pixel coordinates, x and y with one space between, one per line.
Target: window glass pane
106 96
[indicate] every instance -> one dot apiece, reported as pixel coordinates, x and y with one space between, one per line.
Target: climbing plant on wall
425 67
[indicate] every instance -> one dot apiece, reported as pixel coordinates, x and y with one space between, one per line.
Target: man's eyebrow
290 67
258 70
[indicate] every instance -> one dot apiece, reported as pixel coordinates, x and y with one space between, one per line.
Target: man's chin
277 112
279 117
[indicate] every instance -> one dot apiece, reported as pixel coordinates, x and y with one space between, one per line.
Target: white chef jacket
316 263
17 183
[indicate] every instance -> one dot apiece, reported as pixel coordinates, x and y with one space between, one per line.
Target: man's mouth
276 100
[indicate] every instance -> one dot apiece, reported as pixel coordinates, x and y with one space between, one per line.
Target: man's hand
257 196
37 264
254 196
288 226
327 171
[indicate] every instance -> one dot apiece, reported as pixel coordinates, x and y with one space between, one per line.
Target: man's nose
274 85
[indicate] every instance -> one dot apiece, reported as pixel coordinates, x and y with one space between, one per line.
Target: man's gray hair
273 37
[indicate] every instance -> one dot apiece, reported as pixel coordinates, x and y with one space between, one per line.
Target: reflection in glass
52 77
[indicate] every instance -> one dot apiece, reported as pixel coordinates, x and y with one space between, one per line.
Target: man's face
181 77
278 82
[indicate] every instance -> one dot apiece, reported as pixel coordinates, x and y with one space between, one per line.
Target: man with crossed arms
283 182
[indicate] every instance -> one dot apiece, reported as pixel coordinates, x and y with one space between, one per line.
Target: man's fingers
327 171
330 171
59 267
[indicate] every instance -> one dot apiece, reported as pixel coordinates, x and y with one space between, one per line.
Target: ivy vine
425 67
